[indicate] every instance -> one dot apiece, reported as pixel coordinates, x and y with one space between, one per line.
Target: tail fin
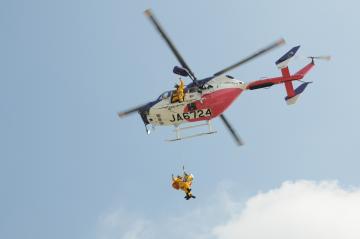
292 99
282 63
284 60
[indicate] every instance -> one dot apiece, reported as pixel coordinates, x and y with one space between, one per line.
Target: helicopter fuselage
203 102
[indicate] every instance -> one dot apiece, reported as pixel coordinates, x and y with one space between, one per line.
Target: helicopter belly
209 106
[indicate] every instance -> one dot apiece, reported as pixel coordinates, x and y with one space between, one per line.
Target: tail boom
286 78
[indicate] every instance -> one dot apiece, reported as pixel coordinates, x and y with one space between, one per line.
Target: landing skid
178 129
191 136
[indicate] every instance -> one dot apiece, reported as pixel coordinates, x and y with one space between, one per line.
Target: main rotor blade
232 131
152 18
130 111
256 54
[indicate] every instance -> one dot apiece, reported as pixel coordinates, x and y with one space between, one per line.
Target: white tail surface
284 60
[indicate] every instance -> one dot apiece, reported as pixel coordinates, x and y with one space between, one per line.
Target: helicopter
183 183
207 98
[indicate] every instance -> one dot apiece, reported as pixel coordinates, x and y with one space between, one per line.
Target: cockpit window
165 95
231 77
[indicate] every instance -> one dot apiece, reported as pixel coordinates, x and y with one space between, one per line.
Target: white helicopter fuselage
204 103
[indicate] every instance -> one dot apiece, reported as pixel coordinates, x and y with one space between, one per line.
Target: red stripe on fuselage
217 102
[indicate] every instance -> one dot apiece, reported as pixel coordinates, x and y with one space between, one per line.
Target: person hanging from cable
183 183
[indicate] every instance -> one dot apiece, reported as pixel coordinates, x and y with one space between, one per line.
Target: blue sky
67 67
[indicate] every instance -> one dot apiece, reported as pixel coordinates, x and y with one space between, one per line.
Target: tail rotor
325 58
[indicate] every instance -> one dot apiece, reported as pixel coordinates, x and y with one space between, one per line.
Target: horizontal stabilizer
284 60
300 89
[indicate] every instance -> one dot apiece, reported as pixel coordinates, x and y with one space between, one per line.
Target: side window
207 86
193 89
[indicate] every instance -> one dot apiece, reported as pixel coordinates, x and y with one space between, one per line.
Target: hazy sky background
66 67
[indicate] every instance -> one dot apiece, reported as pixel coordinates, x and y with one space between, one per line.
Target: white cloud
198 223
297 210
301 209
